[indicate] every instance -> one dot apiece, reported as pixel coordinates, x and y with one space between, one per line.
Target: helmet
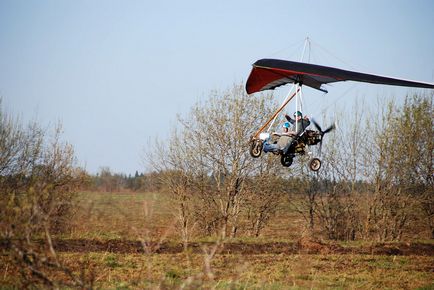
298 113
286 125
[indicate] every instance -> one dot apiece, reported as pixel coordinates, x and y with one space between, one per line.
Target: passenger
280 140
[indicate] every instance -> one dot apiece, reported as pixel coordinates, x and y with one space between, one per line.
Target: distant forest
107 181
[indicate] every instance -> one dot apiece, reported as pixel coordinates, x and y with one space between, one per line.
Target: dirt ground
303 246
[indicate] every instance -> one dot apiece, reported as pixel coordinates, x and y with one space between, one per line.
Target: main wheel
286 160
315 164
256 148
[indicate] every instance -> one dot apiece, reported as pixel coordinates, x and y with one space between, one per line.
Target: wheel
315 164
256 148
286 160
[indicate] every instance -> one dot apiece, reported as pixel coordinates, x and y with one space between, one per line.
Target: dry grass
120 215
251 271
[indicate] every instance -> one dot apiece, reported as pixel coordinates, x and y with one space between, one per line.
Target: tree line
108 181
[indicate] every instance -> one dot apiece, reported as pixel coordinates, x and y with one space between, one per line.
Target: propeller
322 133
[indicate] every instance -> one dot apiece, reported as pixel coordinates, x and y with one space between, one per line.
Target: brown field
129 241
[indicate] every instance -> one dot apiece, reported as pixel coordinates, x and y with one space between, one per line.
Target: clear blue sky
116 73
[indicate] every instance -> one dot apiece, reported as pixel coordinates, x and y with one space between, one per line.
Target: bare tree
264 193
38 181
381 167
170 161
337 203
210 150
403 166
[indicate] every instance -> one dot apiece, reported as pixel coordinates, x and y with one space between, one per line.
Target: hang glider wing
267 74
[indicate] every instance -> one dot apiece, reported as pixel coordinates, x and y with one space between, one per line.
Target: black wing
268 74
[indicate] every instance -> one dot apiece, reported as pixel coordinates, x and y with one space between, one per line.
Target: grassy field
128 215
103 243
263 271
121 215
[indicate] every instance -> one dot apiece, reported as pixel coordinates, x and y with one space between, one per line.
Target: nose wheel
315 164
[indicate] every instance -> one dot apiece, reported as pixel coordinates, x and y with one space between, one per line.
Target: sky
117 73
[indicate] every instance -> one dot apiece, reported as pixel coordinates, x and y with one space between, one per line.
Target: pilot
299 125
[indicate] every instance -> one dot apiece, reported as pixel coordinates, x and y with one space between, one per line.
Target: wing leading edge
267 74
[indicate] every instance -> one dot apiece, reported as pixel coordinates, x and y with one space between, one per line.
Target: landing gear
315 164
256 147
286 160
